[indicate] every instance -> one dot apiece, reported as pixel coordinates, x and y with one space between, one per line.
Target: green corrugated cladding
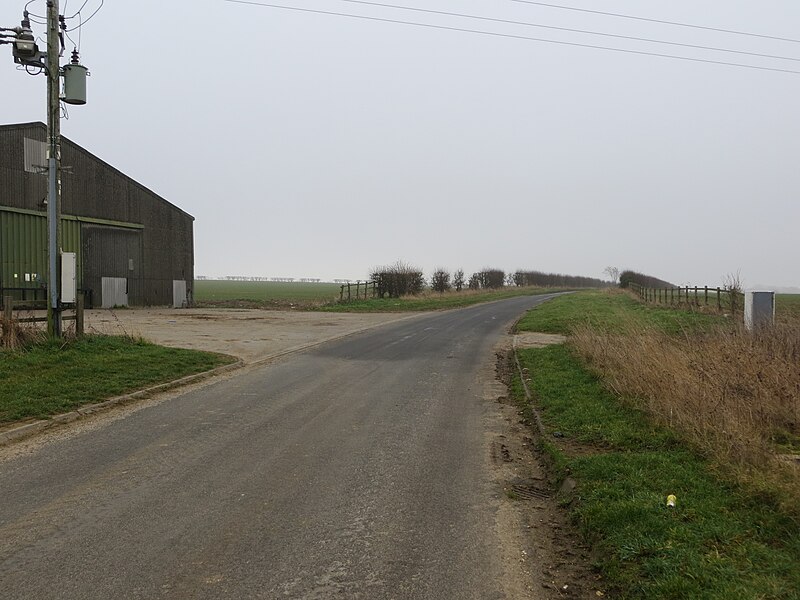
23 249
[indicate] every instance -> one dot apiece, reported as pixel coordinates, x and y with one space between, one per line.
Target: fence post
79 316
341 294
8 314
706 293
719 300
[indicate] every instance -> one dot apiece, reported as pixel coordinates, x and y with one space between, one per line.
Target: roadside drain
530 492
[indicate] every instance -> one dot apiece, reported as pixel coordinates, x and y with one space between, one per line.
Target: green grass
719 542
432 300
787 305
611 311
264 291
48 378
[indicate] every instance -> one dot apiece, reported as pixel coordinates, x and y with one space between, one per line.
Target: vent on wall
35 156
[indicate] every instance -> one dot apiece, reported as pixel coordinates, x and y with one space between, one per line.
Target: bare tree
458 280
440 280
475 281
397 280
613 274
491 279
732 283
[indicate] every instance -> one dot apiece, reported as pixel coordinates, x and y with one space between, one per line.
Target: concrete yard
251 335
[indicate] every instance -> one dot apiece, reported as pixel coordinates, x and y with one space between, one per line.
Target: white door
179 299
115 292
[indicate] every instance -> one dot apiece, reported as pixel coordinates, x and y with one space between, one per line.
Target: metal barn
132 246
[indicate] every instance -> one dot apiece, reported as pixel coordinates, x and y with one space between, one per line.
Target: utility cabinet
759 309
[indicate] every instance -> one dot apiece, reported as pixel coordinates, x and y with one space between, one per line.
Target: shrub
440 280
458 280
399 279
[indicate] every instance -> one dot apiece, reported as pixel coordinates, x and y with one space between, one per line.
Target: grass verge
52 377
612 311
433 300
643 402
721 541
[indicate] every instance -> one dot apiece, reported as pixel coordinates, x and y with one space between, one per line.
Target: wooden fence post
719 300
79 316
341 294
8 314
706 294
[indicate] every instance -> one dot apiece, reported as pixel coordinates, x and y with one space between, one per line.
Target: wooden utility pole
53 169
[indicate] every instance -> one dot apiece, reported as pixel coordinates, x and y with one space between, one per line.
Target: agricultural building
132 247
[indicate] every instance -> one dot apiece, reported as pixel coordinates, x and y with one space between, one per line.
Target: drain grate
529 492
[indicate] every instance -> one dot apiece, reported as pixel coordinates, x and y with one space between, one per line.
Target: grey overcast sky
310 145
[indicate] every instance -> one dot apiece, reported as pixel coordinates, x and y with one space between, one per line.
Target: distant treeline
648 281
252 278
541 279
401 279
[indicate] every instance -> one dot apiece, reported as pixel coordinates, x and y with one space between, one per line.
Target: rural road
358 469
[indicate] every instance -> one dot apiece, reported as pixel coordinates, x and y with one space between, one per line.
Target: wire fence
721 298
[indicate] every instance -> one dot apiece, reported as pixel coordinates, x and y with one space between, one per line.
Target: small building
132 246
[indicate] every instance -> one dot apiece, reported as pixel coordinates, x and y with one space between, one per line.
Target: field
324 296
787 305
212 291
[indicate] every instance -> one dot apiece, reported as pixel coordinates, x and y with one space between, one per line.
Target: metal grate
530 492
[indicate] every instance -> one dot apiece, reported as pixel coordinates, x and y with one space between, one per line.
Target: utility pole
27 54
53 170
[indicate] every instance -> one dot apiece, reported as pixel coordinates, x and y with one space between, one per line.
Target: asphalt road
354 470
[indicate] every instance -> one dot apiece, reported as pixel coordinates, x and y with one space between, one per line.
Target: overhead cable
660 21
571 30
512 36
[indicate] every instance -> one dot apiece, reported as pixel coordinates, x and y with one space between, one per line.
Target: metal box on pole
69 279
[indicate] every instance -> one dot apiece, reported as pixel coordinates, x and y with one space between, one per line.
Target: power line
89 18
512 36
77 12
660 21
571 30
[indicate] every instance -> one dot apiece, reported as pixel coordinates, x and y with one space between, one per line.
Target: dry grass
733 394
14 335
